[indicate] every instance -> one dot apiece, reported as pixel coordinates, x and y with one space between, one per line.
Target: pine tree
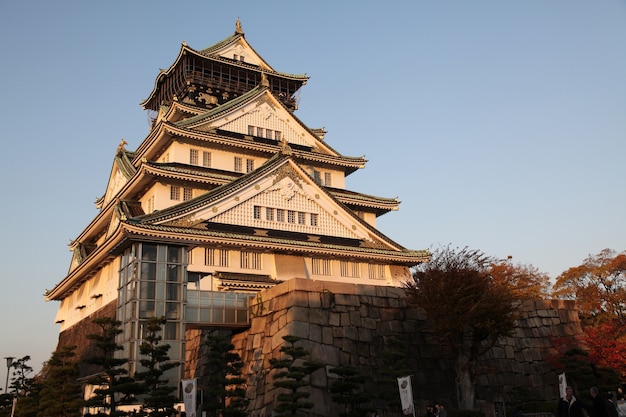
348 390
293 378
222 385
159 401
61 394
114 387
395 363
25 389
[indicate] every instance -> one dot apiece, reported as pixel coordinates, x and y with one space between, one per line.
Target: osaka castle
228 195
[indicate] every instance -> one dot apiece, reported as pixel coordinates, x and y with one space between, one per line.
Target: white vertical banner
406 395
562 384
189 397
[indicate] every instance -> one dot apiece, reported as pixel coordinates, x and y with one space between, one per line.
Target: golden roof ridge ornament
285 149
264 81
122 144
238 28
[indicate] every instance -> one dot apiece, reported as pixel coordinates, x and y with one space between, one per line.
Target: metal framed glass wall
152 284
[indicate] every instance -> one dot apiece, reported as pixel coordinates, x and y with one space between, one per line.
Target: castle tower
228 194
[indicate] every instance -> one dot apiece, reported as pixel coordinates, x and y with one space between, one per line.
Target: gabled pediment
121 172
237 48
284 198
259 113
240 50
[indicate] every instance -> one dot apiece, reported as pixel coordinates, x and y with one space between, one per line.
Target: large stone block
327 335
347 299
355 318
315 333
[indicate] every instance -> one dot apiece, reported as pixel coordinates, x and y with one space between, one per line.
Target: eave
186 50
190 237
243 100
183 209
164 132
195 237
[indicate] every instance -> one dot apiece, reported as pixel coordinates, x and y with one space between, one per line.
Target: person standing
598 405
441 410
611 405
569 406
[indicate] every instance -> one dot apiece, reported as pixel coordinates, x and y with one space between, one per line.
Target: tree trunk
464 364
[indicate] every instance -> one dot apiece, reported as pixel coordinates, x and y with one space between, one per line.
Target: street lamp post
9 363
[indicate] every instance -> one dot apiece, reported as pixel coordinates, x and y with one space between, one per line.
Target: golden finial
238 28
122 144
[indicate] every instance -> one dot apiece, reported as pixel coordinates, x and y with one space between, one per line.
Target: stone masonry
345 324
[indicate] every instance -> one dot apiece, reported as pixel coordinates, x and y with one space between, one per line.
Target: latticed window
174 192
257 212
301 217
206 159
150 205
349 269
280 215
193 156
291 216
259 132
317 176
277 135
238 164
249 165
321 266
314 219
223 253
250 130
187 193
250 260
376 271
216 257
328 179
269 213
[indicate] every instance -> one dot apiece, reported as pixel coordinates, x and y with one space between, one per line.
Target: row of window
317 176
194 158
175 193
221 257
239 164
281 215
347 269
264 133
319 266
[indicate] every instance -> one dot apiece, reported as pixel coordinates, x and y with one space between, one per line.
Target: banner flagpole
562 384
406 395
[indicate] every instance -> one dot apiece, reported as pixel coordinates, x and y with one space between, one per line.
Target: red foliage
606 345
561 345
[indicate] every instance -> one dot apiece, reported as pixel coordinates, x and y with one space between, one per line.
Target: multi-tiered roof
225 136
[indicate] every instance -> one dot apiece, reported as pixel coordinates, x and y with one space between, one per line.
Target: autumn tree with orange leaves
599 286
525 281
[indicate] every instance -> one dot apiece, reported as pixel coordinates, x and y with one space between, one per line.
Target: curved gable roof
219 51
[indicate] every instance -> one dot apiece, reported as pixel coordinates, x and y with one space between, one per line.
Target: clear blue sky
500 125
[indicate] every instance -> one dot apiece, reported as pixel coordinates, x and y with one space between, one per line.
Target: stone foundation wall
77 336
344 324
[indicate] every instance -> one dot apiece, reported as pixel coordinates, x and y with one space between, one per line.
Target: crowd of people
436 410
570 406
